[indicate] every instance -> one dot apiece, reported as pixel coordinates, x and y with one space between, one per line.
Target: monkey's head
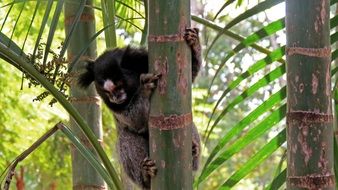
116 75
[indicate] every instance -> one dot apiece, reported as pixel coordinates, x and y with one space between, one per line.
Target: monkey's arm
135 117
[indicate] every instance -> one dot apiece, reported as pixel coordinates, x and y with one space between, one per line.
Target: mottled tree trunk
87 101
170 116
309 117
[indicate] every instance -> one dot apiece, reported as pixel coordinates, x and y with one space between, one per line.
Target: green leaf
127 13
334 37
42 27
273 56
256 160
277 182
69 35
88 155
126 7
334 55
238 128
30 24
334 71
6 17
15 48
244 140
276 73
228 33
253 38
108 15
222 8
17 19
52 29
280 165
72 28
334 22
145 27
260 7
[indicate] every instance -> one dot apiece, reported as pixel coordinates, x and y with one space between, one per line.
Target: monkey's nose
109 85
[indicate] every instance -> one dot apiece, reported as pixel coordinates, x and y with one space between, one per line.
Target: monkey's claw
149 80
149 167
191 36
195 150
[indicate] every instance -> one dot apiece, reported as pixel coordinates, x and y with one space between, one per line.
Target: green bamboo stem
170 113
85 101
309 117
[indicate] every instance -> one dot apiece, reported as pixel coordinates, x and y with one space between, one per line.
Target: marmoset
122 80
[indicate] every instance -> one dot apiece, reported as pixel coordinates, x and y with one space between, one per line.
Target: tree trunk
87 101
170 116
309 118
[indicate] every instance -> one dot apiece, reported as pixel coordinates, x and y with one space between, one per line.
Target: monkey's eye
100 82
119 84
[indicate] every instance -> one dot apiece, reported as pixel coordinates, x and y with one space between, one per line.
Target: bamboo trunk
309 117
170 116
85 101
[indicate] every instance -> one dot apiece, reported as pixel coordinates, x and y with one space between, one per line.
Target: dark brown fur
122 80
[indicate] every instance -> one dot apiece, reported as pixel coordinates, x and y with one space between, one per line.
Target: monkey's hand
148 83
191 37
148 167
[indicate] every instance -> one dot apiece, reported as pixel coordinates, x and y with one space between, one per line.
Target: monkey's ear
135 59
86 78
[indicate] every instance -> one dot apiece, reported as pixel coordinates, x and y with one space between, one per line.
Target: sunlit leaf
256 159
52 29
244 140
268 30
260 7
238 128
273 75
30 24
228 33
42 26
273 56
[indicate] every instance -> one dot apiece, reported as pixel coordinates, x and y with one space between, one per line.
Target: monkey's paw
149 167
195 155
195 149
148 81
191 36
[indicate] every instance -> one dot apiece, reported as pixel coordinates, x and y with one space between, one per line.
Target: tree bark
170 117
309 117
87 101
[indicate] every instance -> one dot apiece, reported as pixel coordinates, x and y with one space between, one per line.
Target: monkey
122 81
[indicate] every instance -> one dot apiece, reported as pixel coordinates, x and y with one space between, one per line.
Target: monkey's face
116 74
115 92
115 84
